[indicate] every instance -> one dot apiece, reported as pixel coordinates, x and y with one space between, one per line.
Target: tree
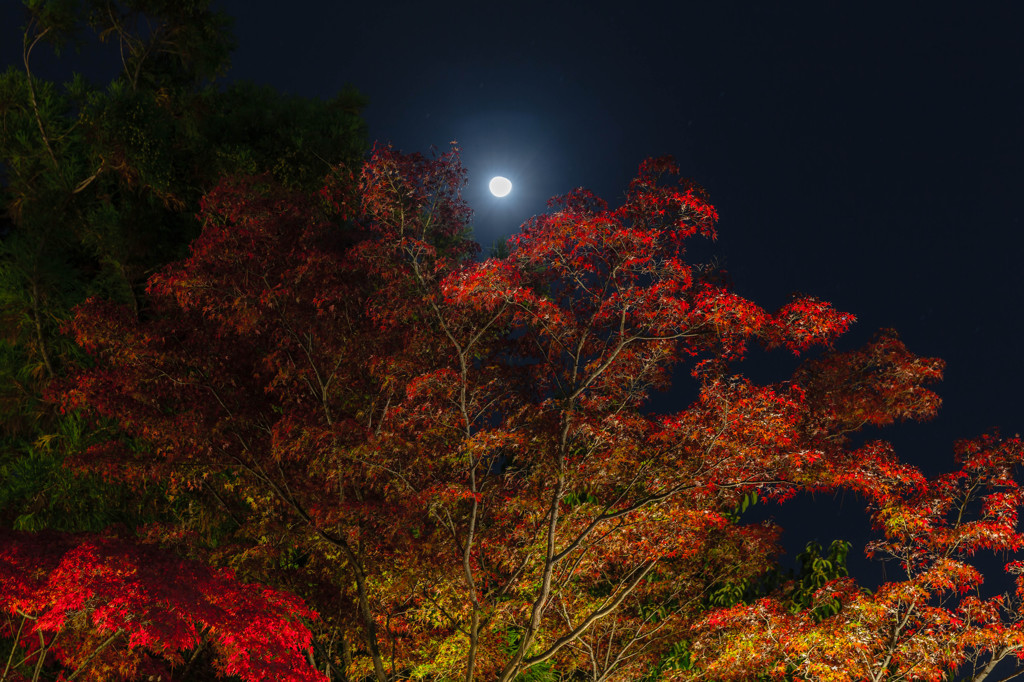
104 608
452 460
927 625
100 187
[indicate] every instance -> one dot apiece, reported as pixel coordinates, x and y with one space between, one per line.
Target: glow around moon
500 186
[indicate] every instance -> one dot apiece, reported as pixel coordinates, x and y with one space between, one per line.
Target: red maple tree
102 608
452 460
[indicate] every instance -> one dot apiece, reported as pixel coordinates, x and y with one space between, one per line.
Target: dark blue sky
871 154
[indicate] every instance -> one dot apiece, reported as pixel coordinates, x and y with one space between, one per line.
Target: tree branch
26 52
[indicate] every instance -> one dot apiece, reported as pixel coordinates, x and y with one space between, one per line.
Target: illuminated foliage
924 626
454 462
101 608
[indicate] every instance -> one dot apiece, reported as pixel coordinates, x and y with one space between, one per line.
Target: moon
500 186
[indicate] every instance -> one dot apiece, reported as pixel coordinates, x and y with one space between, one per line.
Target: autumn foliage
103 608
454 461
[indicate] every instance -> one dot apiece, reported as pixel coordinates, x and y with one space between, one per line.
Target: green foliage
797 588
817 569
499 249
298 140
40 492
579 497
542 672
748 501
678 657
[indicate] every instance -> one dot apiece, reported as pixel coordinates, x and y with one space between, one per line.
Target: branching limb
26 53
608 607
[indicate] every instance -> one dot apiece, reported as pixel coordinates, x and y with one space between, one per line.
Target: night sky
870 155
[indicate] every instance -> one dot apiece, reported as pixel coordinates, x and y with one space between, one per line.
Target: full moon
500 186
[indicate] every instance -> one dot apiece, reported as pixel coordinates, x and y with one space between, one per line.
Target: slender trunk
14 647
131 289
370 627
513 667
203 642
474 624
40 339
42 656
346 657
467 554
331 671
368 622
